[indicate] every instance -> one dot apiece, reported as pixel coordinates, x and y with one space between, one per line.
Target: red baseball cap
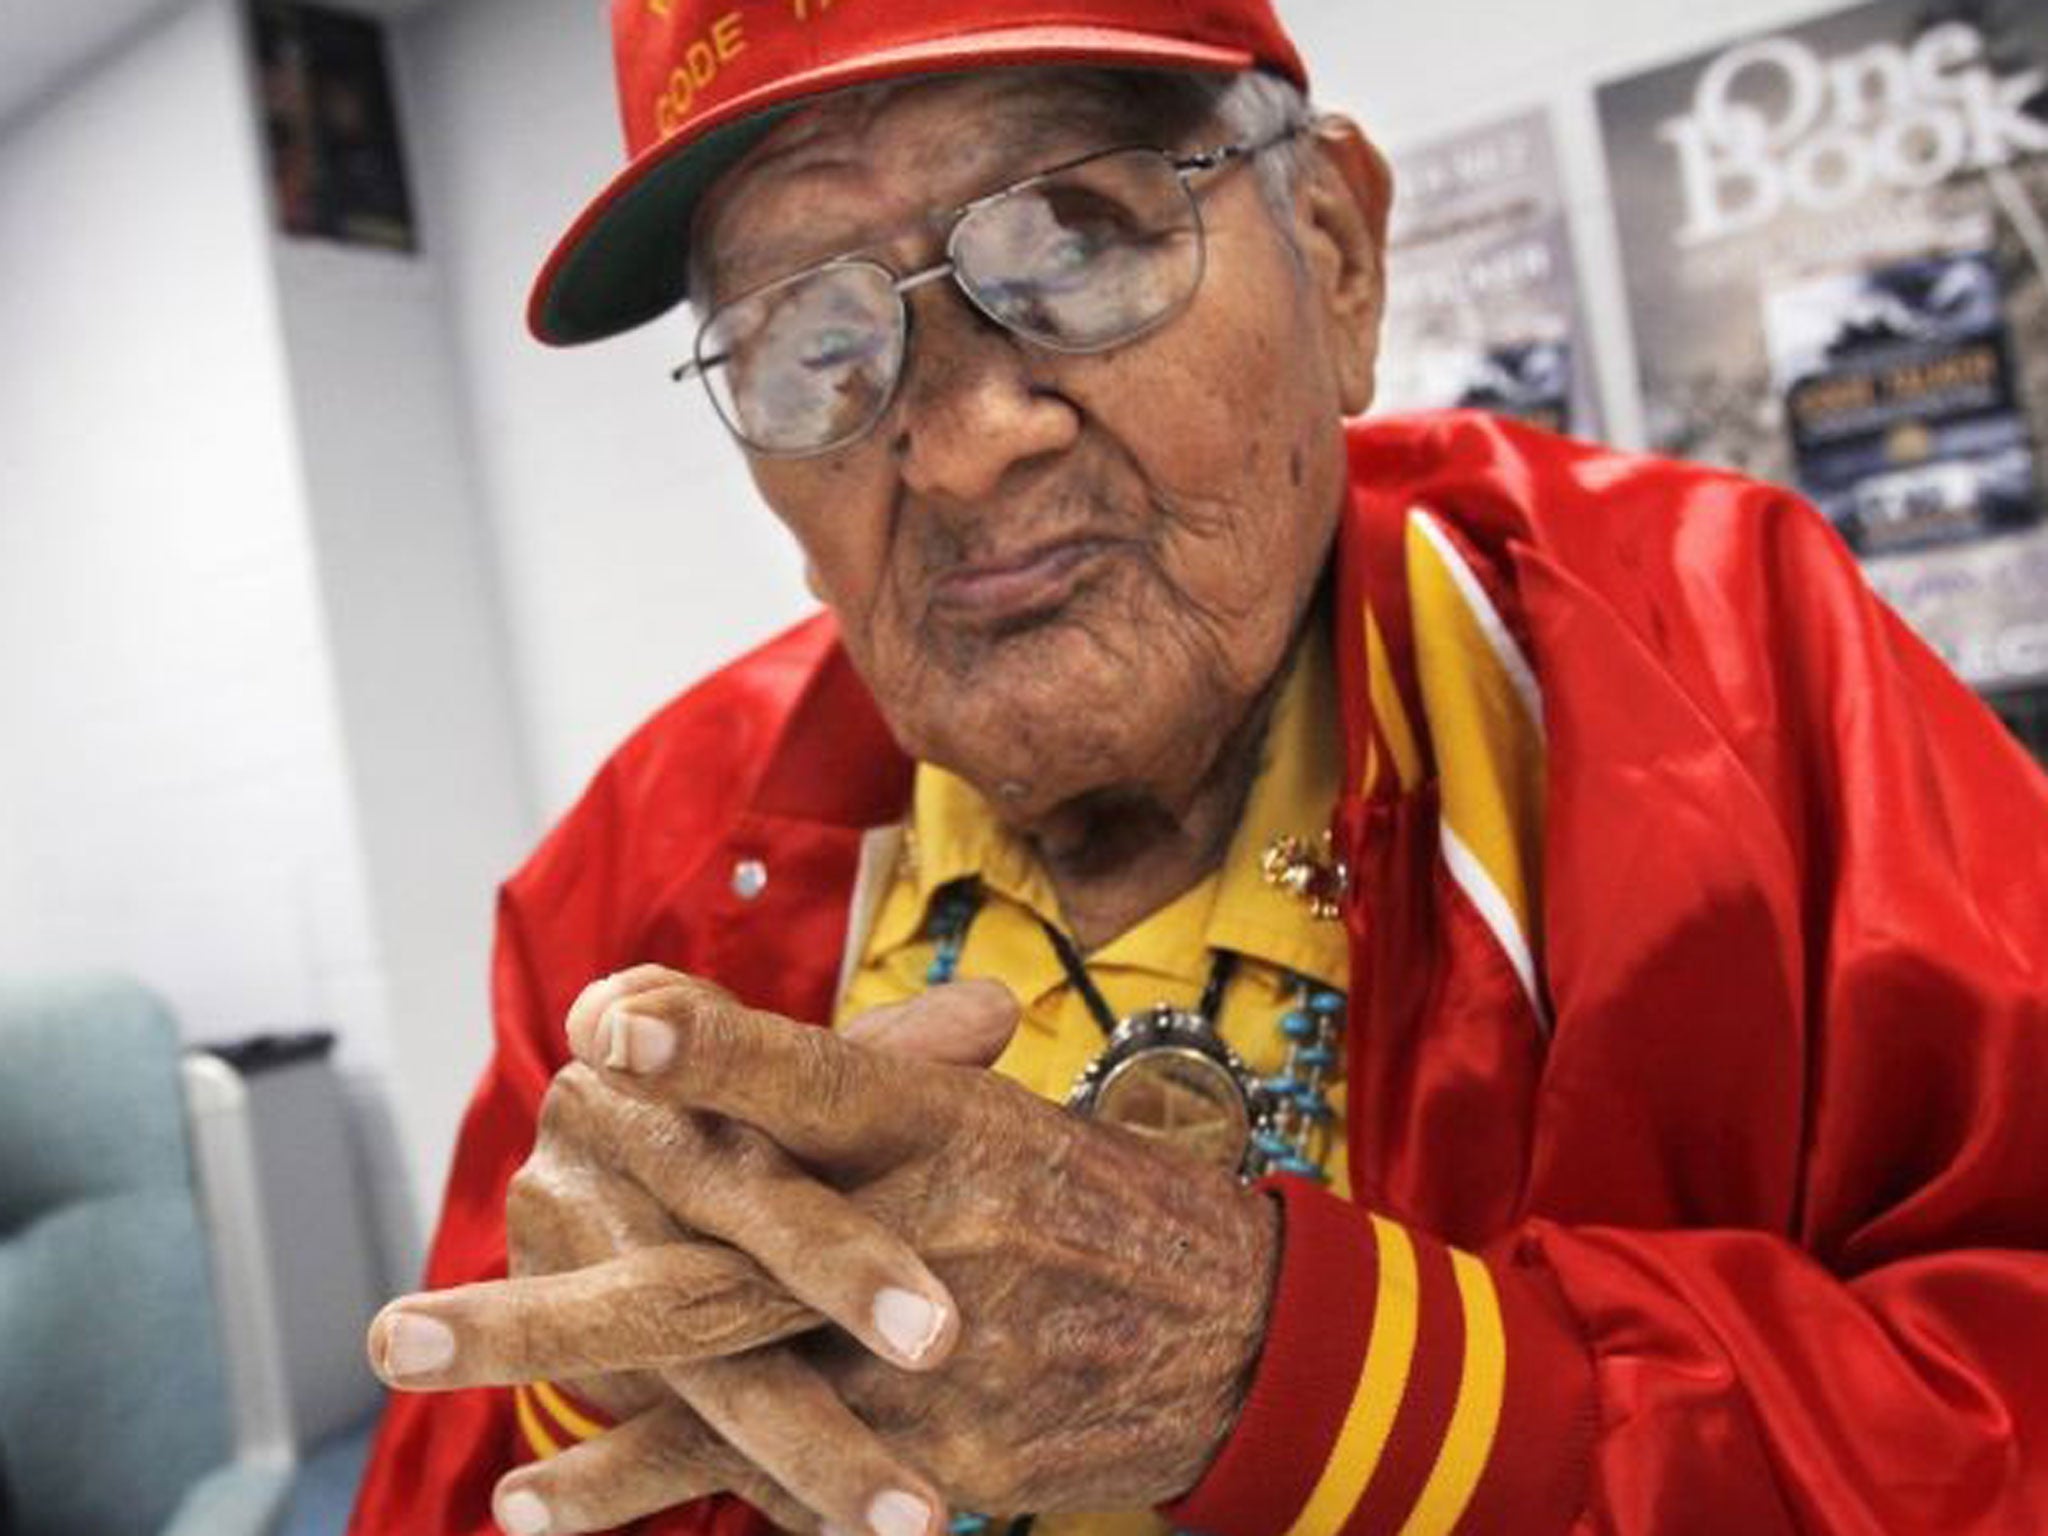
702 81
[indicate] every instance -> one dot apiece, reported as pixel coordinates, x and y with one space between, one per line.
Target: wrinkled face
1059 574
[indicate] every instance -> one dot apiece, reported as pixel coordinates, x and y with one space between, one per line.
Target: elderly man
1539 978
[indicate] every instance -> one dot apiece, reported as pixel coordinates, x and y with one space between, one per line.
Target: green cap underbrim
633 263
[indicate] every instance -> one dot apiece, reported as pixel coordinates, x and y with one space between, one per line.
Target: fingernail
521 1513
586 1015
910 1322
834 1528
896 1513
415 1345
636 1044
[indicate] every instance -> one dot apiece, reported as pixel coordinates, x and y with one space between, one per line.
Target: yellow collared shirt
1165 958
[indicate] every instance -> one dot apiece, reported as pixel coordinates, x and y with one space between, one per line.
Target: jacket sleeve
437 1456
1827 1310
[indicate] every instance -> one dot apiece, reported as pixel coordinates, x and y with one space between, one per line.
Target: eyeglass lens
1078 260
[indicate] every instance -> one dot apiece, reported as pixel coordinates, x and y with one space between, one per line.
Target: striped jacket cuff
1405 1389
551 1420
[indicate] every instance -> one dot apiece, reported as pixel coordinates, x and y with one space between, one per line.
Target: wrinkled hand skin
1112 1302
1112 1297
569 1207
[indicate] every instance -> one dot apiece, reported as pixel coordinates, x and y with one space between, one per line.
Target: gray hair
1192 109
1257 108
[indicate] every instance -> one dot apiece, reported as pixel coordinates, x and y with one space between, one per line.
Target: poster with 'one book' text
1836 244
1482 294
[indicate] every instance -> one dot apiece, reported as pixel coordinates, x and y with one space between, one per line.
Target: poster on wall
1836 244
330 127
1482 294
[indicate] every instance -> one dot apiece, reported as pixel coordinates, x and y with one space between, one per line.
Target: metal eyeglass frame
1184 167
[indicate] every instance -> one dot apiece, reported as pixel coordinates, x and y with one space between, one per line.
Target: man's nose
970 410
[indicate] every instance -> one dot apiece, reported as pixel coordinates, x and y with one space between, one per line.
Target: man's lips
1015 586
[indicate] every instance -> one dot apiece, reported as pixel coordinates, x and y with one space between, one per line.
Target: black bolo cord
1077 973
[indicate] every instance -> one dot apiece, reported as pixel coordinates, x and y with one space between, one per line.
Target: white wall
408 587
634 554
171 774
173 800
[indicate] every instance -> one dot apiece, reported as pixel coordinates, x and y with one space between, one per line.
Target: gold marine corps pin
1309 871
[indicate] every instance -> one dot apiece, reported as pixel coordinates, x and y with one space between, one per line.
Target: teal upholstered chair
114 1412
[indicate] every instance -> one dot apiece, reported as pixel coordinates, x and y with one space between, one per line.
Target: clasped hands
854 1279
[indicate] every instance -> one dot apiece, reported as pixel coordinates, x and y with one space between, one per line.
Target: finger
647 1309
729 1181
965 1023
719 1178
561 1218
659 1459
592 1001
693 1045
785 1419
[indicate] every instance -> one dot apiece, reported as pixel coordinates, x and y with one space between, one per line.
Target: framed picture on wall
337 169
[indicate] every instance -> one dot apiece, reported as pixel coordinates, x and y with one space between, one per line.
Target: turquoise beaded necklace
1314 1031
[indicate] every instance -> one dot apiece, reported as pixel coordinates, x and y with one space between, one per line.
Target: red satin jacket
1711 1196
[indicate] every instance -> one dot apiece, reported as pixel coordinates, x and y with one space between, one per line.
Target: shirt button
749 879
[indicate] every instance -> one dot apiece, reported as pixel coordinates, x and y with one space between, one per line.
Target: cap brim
626 259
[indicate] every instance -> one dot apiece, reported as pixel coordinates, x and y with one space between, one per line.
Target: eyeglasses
1081 258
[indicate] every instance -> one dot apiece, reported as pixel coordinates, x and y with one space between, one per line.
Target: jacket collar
834 761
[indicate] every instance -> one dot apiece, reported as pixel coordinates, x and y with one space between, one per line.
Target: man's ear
1341 212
